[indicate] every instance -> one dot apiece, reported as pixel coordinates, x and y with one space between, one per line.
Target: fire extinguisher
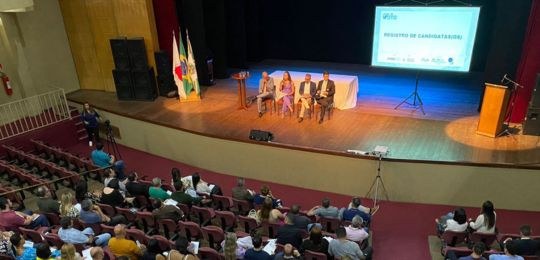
5 82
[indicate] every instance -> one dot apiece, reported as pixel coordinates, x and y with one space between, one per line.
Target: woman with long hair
231 249
90 118
268 213
68 252
67 209
286 88
485 222
182 250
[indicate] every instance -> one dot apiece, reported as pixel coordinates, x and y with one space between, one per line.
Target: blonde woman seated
231 249
67 208
286 92
268 213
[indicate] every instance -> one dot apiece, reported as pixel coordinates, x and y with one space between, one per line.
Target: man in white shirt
266 90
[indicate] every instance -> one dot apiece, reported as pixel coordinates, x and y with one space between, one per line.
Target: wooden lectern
241 78
493 110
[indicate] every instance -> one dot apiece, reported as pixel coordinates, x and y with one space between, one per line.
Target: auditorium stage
446 134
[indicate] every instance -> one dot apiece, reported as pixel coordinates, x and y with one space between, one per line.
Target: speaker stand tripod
415 96
377 186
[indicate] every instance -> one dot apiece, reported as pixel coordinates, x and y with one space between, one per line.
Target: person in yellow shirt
120 246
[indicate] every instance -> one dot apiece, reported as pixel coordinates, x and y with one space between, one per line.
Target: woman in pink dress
287 90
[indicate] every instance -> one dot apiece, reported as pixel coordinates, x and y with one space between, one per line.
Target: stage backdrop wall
91 23
34 50
406 182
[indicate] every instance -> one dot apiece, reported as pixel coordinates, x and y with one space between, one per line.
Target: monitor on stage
430 38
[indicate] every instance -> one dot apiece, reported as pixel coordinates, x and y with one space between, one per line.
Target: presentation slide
431 38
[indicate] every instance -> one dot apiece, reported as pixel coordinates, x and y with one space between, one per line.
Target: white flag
192 69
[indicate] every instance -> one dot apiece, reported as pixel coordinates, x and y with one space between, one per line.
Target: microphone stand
515 88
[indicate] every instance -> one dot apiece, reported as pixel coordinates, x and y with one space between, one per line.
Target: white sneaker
90 143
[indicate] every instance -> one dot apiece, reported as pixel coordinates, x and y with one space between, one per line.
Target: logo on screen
389 16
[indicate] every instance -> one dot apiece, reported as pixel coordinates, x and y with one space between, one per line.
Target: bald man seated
121 246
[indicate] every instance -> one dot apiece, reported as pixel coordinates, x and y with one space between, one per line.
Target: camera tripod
377 186
111 142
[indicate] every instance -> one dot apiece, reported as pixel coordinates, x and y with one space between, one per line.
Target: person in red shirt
12 220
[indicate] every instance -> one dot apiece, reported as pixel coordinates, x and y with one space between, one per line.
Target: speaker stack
531 125
165 78
133 78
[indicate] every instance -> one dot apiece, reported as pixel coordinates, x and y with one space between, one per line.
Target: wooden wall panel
81 41
91 23
103 27
135 18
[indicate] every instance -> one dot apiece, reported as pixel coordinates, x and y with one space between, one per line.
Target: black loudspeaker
144 84
137 53
165 78
120 53
531 125
259 135
123 83
535 98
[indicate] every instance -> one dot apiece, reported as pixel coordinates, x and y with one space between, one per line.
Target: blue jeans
101 240
40 221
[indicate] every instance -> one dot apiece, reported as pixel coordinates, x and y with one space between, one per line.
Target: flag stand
192 97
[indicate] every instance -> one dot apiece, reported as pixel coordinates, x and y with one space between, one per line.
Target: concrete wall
35 52
405 182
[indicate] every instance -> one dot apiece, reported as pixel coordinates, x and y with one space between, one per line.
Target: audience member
299 221
81 192
19 250
231 249
43 252
182 250
69 234
68 253
45 203
134 187
103 160
11 220
265 192
454 221
341 247
110 175
349 213
268 213
92 214
325 210
180 195
356 232
485 222
509 252
67 209
156 192
525 245
112 196
289 234
152 250
240 192
5 245
120 246
477 252
315 242
176 176
165 211
288 253
97 253
257 252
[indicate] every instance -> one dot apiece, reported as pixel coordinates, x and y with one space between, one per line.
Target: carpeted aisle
400 230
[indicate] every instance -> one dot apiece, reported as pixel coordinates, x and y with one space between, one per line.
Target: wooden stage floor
445 134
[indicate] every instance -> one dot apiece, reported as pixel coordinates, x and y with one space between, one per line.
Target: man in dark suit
135 188
289 234
306 96
525 245
325 94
